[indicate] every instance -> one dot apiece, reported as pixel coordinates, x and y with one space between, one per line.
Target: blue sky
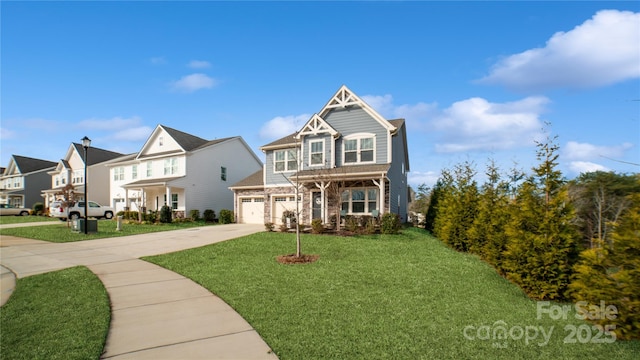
474 80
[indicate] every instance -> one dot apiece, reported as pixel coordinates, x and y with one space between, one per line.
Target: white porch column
127 204
381 194
168 192
323 209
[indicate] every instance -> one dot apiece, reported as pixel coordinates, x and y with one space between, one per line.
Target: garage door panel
280 205
252 211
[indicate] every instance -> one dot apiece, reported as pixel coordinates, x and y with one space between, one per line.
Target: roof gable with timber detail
317 125
345 98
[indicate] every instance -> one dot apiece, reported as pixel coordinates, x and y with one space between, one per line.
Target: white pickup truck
77 211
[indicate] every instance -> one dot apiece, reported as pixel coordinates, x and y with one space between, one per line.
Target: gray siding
398 180
271 177
306 149
352 121
34 184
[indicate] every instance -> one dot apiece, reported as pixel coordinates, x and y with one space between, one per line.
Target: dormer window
359 149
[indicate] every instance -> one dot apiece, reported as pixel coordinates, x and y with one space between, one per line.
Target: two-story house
71 169
182 171
347 158
23 180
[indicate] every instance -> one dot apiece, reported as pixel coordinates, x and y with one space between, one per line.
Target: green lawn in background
58 315
382 296
24 219
61 232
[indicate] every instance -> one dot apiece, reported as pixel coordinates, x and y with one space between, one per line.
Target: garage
280 204
251 210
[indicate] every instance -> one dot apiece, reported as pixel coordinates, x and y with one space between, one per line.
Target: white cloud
140 133
380 103
585 151
194 82
6 134
113 123
423 177
580 167
198 64
283 125
603 50
476 124
415 115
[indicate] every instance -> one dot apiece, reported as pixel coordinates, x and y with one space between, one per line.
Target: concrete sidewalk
155 313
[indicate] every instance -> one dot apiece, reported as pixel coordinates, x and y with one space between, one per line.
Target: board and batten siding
353 121
203 187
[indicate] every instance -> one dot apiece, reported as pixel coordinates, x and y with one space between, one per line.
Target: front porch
152 195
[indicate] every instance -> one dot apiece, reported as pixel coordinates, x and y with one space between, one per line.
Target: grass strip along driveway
62 232
58 315
405 296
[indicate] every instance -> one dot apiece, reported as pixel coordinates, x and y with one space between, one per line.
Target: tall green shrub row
525 234
527 228
458 207
610 272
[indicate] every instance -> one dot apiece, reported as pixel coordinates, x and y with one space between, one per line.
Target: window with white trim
118 173
284 160
171 166
134 172
360 149
149 169
174 201
223 173
78 177
360 201
316 152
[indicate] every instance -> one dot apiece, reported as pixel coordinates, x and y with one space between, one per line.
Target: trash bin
78 226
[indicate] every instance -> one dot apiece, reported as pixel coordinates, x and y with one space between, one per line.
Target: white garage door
252 210
281 204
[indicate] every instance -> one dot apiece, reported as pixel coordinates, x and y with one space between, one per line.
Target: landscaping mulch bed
293 259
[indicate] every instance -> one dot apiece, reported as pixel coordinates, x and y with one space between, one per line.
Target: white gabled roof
345 98
316 125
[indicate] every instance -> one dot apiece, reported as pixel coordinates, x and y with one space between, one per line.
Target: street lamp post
86 142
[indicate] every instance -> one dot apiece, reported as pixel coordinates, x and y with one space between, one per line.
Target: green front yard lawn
401 297
59 315
24 219
61 232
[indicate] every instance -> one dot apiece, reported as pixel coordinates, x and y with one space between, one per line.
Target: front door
317 205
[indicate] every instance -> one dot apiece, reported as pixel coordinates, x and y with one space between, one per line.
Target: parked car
76 210
6 209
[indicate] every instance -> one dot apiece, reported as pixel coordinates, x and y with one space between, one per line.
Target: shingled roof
96 155
255 180
186 141
286 141
27 164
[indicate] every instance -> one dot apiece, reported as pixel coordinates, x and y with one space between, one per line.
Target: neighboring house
70 170
23 180
346 158
181 170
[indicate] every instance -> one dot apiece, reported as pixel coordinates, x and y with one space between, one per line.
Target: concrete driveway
156 313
